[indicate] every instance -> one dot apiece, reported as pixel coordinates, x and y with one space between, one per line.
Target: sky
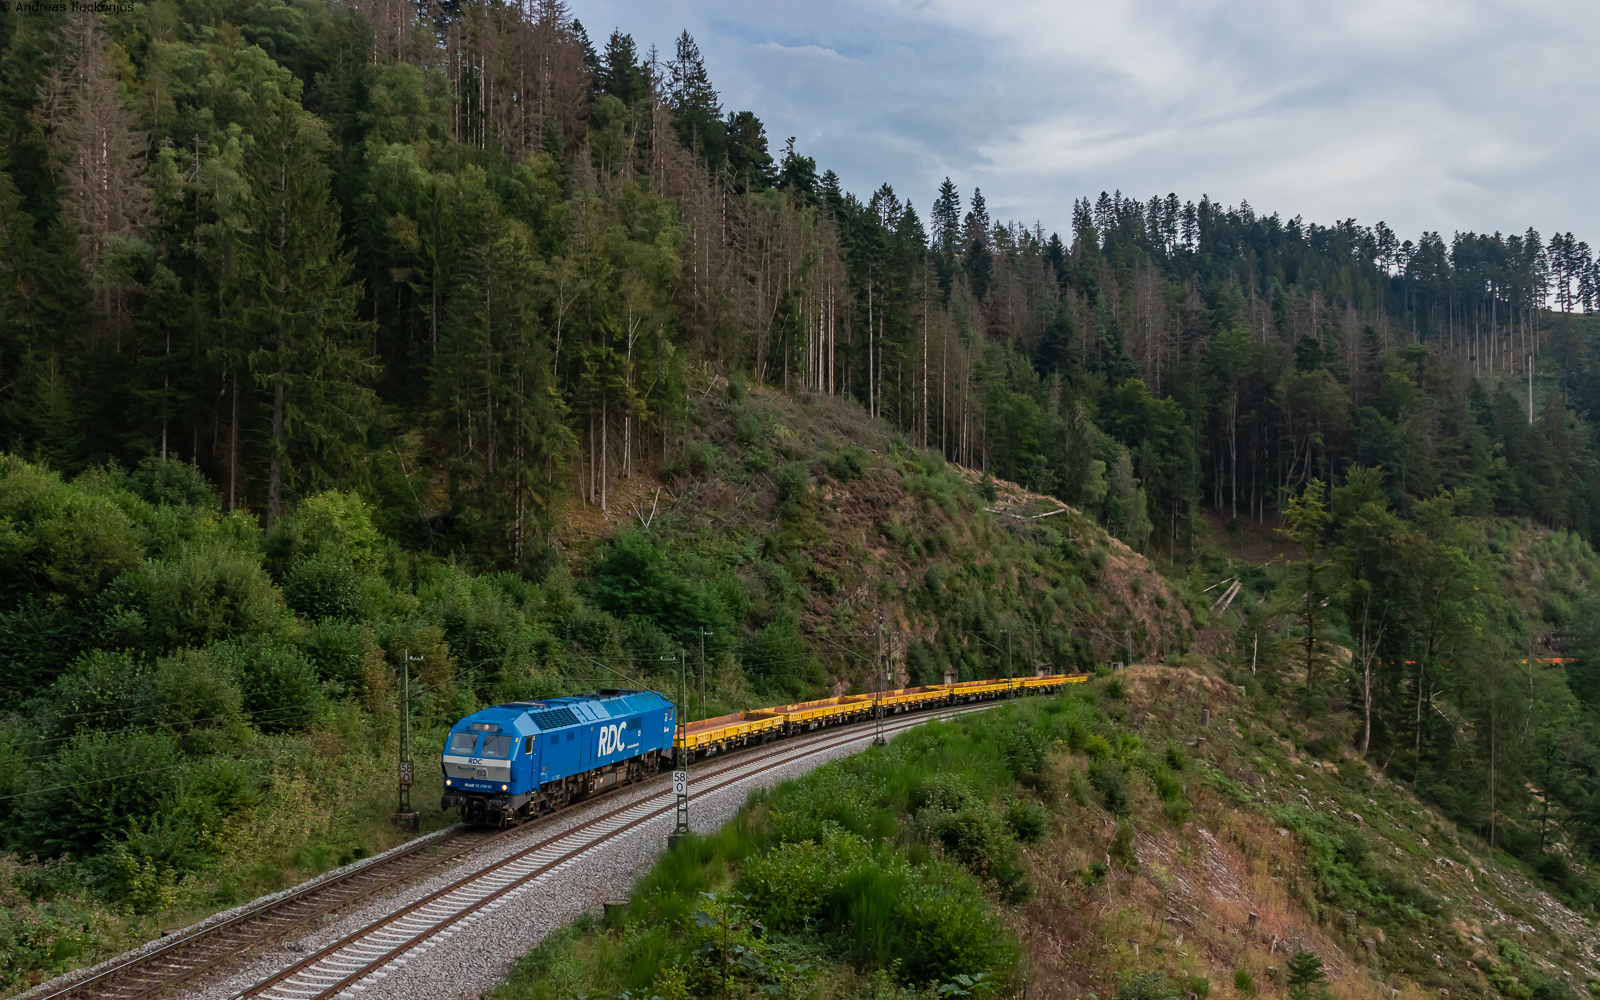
1426 115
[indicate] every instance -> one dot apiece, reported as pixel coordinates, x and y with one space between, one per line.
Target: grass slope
1101 843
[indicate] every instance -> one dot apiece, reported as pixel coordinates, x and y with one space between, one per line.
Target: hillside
1104 843
258 677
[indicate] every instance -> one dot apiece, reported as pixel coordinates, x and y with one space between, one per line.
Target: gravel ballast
473 956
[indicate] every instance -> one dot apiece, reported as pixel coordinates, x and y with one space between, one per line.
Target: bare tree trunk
233 448
924 358
275 467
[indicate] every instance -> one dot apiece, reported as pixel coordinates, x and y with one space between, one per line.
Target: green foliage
1146 986
279 684
848 463
1029 820
1106 777
1305 976
1175 757
172 484
325 585
329 528
208 593
636 577
57 540
794 484
1122 849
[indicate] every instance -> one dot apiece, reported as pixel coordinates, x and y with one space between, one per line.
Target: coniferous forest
316 319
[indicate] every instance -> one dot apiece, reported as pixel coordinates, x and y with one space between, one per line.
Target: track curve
359 959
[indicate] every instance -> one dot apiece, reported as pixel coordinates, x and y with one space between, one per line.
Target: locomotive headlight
447 782
505 788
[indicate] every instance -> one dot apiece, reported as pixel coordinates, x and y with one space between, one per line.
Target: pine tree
620 73
946 218
696 109
975 242
296 302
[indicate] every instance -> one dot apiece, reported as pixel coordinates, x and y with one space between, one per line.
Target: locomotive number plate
483 772
680 782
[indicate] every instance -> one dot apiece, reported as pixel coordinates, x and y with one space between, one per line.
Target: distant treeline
460 260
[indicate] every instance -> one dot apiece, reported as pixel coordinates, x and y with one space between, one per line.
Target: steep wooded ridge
331 334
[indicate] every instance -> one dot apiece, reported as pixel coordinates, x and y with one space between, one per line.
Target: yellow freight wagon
762 725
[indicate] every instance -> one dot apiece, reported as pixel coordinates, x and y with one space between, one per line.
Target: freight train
510 762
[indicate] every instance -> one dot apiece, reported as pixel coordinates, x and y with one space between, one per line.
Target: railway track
355 960
207 949
189 955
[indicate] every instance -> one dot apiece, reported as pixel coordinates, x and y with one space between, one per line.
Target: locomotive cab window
463 742
498 745
527 745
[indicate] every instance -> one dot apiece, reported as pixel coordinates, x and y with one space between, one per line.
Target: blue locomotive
512 761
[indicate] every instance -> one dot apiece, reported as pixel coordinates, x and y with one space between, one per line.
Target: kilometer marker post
680 761
404 814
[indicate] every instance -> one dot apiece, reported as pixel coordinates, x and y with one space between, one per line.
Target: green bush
208 594
102 690
1122 848
1146 986
848 463
326 585
949 792
1175 757
335 524
696 460
196 694
635 576
100 782
1029 821
57 539
281 692
338 650
790 884
794 484
775 657
948 930
1077 787
1106 777
172 484
748 431
1306 977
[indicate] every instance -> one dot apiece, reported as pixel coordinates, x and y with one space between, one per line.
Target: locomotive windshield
498 745
463 742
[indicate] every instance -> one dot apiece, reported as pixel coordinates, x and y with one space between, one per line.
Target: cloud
1429 115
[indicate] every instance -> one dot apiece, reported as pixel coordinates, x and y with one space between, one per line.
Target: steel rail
328 972
190 954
